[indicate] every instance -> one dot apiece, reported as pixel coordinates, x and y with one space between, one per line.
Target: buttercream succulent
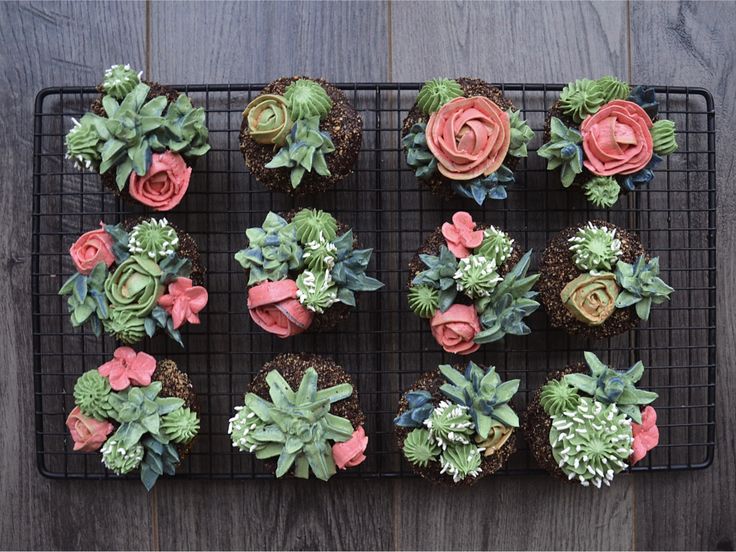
272 250
314 224
610 386
305 150
269 120
317 291
483 394
91 395
595 247
512 300
592 442
125 325
521 135
242 429
298 426
419 408
476 276
418 156
437 92
307 99
440 275
558 396
450 424
498 435
154 239
563 151
497 245
160 458
461 461
602 191
646 98
492 186
610 88
591 297
120 80
581 98
641 286
424 300
119 457
320 255
87 301
419 448
83 142
663 137
643 176
185 128
135 286
181 425
349 270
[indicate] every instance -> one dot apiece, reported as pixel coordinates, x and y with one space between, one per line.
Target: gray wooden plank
47 44
690 44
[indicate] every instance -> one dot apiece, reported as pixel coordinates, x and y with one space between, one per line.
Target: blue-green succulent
348 273
440 275
492 186
418 156
641 286
87 301
563 151
419 408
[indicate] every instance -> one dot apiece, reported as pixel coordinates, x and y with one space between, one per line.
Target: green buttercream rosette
91 394
134 287
580 99
424 300
557 396
663 137
181 425
125 325
436 93
610 88
154 239
307 99
419 448
311 224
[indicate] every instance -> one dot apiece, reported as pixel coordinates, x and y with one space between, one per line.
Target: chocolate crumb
175 383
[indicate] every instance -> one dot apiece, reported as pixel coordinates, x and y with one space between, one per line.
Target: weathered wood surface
59 43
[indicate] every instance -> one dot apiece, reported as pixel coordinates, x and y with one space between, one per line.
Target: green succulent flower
521 135
91 395
185 129
135 286
83 142
663 137
602 191
641 285
440 275
349 270
320 255
476 276
610 88
125 325
450 424
86 301
418 156
153 238
461 461
496 246
563 151
595 248
120 80
268 119
119 458
307 99
160 458
424 300
580 99
558 396
243 427
317 291
437 92
181 425
314 224
419 448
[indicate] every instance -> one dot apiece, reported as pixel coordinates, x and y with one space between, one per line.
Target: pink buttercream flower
128 367
461 235
455 329
469 137
88 434
92 248
275 308
164 184
350 453
184 301
616 139
646 435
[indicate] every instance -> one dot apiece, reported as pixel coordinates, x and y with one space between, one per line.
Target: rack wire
383 345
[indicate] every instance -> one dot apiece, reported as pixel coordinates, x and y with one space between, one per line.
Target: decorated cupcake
605 137
300 135
135 278
597 280
139 414
301 415
464 137
303 270
456 427
471 283
141 137
588 423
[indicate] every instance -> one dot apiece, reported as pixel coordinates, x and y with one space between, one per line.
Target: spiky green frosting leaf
307 99
663 137
521 135
424 300
602 191
154 239
581 98
418 156
450 424
439 275
313 224
243 427
83 142
120 80
86 299
91 394
159 459
121 458
610 88
641 285
461 461
563 151
316 291
320 255
125 325
437 92
592 442
496 246
419 448
185 128
558 396
181 425
476 276
595 248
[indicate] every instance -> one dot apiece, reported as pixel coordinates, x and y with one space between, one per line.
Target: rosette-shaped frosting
663 137
90 249
497 437
275 308
646 435
580 99
269 121
313 224
120 80
602 191
476 276
125 325
424 300
184 301
119 458
611 89
419 448
306 99
591 298
558 396
128 368
461 235
455 329
87 433
450 424
616 139
437 92
469 137
595 248
134 286
351 452
181 425
164 184
91 393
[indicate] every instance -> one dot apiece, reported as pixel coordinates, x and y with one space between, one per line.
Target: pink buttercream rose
646 435
128 367
469 137
88 434
350 453
616 139
92 248
164 184
275 308
184 301
455 329
461 235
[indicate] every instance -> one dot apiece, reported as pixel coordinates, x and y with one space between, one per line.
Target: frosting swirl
455 329
663 137
591 297
134 286
269 121
437 92
163 186
306 99
87 433
275 308
90 249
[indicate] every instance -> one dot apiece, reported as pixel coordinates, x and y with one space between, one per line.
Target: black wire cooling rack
382 345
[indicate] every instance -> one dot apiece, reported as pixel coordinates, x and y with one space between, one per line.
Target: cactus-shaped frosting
497 245
450 424
83 142
595 248
521 135
563 151
476 276
580 99
602 191
307 99
461 461
120 80
558 396
181 425
155 239
641 285
320 255
316 291
119 458
419 448
439 275
314 224
91 394
243 427
663 137
125 325
418 156
424 300
611 88
437 92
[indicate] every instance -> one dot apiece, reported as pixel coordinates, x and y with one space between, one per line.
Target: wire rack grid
383 345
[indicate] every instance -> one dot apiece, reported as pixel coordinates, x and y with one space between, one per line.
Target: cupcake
589 422
141 137
605 138
303 270
598 281
301 415
464 137
300 135
471 283
139 414
134 279
456 426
